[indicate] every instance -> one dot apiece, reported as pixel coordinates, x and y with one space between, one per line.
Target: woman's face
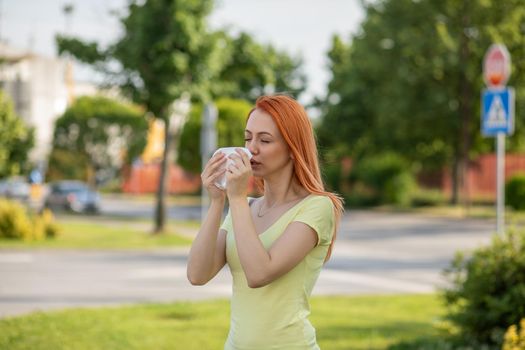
265 142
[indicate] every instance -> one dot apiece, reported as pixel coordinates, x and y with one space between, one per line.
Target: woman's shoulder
318 201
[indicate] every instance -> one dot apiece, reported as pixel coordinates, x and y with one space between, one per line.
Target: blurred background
104 102
392 87
83 111
108 110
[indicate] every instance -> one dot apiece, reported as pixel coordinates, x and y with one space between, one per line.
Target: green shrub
487 290
45 225
332 176
428 197
387 176
361 196
15 223
515 192
400 189
332 168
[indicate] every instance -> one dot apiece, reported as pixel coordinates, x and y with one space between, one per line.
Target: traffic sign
496 66
497 112
497 116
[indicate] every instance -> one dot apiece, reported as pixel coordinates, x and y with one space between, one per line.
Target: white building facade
37 86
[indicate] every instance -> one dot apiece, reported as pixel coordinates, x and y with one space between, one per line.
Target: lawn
357 322
475 211
101 233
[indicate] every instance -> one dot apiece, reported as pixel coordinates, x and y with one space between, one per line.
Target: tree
96 135
231 121
410 81
17 140
253 69
165 52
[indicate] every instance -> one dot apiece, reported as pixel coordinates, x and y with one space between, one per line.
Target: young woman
274 245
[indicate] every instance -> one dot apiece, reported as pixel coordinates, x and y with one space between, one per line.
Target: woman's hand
212 171
237 175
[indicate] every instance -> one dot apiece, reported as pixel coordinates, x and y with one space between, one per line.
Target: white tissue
221 181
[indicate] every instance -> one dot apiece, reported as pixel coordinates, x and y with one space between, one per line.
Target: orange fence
481 177
481 174
144 178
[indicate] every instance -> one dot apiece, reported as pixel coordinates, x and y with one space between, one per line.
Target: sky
300 27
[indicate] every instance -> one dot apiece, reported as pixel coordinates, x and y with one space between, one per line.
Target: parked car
71 195
15 188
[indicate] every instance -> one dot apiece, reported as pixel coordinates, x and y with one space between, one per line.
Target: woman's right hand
212 171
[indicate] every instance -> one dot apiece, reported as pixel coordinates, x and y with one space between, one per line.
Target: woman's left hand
238 175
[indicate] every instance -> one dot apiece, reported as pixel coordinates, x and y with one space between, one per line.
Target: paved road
375 253
118 206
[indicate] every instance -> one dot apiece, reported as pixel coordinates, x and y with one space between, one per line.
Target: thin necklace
276 205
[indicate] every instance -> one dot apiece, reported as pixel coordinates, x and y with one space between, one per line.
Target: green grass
474 211
100 233
374 322
364 322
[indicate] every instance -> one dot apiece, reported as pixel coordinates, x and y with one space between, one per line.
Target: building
36 84
41 89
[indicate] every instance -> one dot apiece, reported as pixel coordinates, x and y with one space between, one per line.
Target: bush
400 189
388 178
428 197
487 290
15 223
514 337
50 228
515 192
332 176
361 196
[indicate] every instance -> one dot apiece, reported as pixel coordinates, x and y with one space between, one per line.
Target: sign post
497 116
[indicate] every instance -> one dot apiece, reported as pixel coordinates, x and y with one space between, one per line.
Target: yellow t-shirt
276 316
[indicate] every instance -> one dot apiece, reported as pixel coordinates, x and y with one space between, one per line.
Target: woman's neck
281 189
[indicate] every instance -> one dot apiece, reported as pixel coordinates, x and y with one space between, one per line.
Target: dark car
75 196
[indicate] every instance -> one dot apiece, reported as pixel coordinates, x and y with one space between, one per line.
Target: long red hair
297 131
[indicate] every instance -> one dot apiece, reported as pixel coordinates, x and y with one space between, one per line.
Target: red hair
297 131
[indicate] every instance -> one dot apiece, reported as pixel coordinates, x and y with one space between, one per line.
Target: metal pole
500 177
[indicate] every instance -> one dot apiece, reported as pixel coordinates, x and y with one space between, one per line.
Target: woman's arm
208 251
262 267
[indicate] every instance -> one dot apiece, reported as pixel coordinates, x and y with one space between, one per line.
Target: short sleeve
227 223
318 213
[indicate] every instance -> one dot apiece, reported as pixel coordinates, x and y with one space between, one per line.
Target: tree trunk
455 180
465 109
174 120
160 208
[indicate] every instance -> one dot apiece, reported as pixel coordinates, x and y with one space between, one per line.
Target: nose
251 145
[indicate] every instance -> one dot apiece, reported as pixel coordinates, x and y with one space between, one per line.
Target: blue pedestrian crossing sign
497 114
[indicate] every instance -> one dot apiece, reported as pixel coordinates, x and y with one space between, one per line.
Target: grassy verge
101 233
474 211
365 322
